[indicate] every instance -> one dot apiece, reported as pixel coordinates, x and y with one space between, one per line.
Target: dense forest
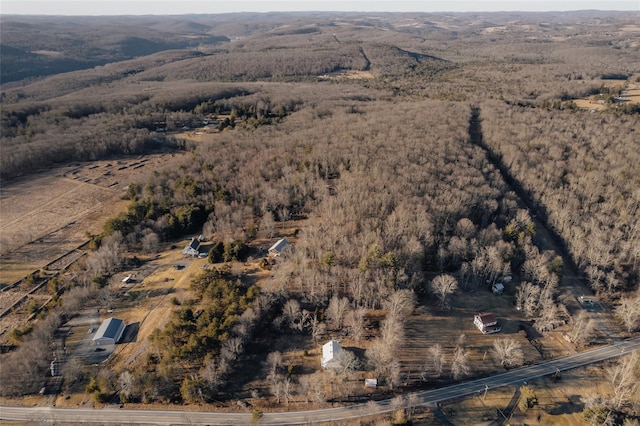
365 129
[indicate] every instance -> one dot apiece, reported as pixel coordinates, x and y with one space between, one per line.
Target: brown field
349 75
559 403
47 215
630 28
424 330
631 95
590 105
148 303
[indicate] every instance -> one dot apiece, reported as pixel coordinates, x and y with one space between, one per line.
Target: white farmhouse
192 249
487 323
330 351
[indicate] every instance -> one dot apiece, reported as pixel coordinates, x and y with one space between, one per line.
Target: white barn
109 332
330 352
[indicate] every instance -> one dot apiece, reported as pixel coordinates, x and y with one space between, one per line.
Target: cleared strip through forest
559 245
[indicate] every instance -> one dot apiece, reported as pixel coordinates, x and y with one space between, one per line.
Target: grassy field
559 403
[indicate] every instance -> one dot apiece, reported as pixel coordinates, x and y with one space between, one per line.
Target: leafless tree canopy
508 352
398 154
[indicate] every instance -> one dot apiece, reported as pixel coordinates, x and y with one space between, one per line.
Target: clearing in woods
631 94
49 214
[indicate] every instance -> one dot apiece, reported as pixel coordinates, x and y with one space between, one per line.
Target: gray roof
194 244
109 328
279 245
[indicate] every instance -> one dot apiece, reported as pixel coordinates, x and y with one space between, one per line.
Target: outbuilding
277 249
371 383
109 332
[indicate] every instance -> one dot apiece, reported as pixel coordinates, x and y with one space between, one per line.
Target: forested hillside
413 161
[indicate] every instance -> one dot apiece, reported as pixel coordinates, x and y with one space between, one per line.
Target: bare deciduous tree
628 310
442 286
551 315
379 356
277 389
413 400
267 225
211 373
400 303
314 386
392 330
287 389
624 380
273 362
356 320
508 352
292 313
460 363
231 348
348 362
437 359
150 242
126 382
527 299
582 330
336 311
318 328
107 258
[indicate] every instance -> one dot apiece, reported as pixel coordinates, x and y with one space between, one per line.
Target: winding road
122 416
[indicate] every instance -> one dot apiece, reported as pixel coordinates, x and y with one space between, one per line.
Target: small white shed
371 383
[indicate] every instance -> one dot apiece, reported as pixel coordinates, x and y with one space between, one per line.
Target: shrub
528 398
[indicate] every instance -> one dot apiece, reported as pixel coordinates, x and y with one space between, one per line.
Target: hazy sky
178 7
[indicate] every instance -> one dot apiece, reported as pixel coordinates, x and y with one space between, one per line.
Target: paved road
514 377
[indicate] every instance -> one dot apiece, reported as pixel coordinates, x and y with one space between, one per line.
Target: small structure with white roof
330 352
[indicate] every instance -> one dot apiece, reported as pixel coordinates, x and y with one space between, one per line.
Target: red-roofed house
487 323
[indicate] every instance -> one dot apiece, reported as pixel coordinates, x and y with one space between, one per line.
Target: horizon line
247 12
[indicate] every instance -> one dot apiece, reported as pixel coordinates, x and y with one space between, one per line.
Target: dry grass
632 95
427 328
46 215
559 403
349 75
590 105
148 303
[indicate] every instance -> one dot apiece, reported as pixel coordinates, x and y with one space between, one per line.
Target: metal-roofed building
109 332
276 249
